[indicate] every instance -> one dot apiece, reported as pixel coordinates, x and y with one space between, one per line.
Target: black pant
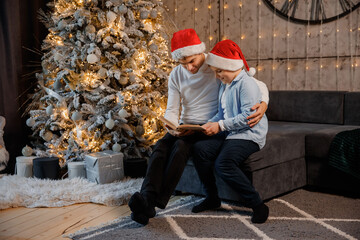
166 165
226 159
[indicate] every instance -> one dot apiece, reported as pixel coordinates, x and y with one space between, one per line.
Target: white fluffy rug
18 191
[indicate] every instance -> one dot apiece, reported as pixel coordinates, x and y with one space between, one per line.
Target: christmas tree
104 79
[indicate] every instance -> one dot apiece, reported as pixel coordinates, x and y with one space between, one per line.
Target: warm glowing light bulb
196 9
242 37
141 56
209 6
210 38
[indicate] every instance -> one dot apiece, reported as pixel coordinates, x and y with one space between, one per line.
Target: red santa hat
185 43
227 55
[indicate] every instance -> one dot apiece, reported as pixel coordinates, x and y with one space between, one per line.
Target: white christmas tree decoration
104 78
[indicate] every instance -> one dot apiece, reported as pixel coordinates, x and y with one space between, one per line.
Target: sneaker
207 204
261 213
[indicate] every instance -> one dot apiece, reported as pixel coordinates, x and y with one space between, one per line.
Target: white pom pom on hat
227 55
185 43
251 72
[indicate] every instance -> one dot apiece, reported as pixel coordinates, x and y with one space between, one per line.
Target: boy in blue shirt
238 93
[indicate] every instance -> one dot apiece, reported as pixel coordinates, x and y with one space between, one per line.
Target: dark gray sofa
302 125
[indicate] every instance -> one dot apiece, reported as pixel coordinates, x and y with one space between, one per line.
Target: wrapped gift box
24 166
46 167
104 167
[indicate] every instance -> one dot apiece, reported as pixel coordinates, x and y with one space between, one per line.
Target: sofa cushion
317 143
285 141
307 106
352 108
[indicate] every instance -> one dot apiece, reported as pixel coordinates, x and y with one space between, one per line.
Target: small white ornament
153 14
116 147
76 116
30 122
48 136
90 29
92 58
132 78
123 80
110 123
49 110
27 151
144 14
123 113
153 47
122 9
145 110
102 72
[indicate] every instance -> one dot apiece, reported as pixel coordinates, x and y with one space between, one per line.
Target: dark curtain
20 30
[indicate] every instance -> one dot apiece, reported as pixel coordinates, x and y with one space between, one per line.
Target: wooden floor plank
61 224
36 219
23 221
119 212
56 219
51 223
10 213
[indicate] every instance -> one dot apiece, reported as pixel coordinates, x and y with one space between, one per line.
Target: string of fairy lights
314 35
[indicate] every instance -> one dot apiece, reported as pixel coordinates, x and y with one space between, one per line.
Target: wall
287 56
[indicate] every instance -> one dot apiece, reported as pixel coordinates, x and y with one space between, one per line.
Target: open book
182 127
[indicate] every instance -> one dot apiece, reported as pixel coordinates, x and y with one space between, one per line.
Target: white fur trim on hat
224 63
180 53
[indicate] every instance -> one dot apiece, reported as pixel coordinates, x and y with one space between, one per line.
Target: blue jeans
226 157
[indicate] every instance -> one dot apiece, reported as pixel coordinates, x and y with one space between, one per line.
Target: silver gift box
104 167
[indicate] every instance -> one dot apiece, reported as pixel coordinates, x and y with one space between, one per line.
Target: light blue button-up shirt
242 94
